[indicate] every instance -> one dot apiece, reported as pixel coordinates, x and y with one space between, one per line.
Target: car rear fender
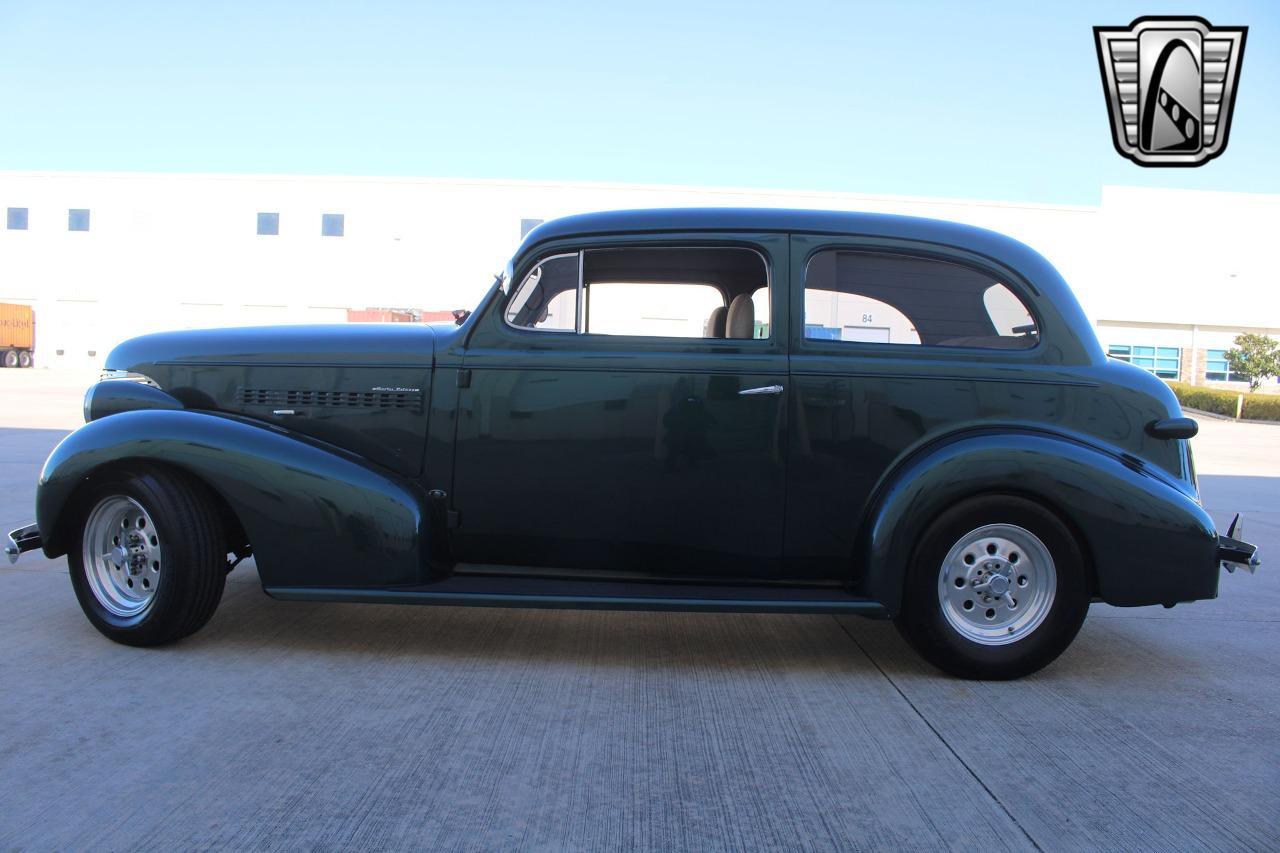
314 515
1146 541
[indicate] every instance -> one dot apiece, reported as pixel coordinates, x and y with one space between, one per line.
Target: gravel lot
288 725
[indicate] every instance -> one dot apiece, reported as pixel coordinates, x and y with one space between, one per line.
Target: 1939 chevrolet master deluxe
691 409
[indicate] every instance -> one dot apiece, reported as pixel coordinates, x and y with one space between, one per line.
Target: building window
1164 362
17 219
527 225
1218 369
332 225
77 219
269 224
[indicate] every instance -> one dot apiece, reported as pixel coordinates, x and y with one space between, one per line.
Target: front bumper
22 540
1235 553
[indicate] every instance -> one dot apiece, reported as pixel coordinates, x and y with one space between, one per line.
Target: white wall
175 251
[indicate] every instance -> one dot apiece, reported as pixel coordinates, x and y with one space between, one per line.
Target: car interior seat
741 319
715 323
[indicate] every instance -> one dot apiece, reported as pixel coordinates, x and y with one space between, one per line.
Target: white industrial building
1169 277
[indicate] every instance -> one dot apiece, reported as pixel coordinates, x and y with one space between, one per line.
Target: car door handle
763 389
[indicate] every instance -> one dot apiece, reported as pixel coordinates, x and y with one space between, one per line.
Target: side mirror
460 316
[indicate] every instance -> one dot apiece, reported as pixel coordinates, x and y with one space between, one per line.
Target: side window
835 316
665 292
1009 316
760 300
637 308
547 299
875 297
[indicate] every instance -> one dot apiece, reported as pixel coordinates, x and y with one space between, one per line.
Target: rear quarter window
894 299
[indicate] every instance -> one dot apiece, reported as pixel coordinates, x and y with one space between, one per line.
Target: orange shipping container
17 327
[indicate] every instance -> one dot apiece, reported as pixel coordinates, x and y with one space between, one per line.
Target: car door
606 426
892 343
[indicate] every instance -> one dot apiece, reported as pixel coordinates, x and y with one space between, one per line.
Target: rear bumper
1235 553
22 540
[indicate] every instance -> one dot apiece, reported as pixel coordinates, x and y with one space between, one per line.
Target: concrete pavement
287 725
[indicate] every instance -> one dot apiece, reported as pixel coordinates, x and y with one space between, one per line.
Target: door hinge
452 518
464 378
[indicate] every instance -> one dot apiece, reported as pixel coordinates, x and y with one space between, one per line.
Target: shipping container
379 315
17 335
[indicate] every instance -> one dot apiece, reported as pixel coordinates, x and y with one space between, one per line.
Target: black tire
24 359
10 358
188 526
924 625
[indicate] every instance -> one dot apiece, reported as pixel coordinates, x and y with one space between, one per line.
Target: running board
589 601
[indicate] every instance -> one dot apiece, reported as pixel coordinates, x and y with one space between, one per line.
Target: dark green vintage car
738 410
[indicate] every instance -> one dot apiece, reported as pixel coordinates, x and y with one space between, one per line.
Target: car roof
994 245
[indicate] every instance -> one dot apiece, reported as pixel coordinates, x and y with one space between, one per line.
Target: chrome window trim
518 289
109 373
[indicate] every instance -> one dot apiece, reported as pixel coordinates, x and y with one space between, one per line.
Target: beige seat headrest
715 323
741 320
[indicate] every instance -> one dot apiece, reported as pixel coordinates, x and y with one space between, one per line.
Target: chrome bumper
1234 553
20 541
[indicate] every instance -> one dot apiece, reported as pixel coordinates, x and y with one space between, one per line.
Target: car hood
362 344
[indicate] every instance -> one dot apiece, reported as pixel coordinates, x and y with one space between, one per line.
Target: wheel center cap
999 584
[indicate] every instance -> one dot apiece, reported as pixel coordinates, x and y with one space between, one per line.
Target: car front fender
314 515
1146 541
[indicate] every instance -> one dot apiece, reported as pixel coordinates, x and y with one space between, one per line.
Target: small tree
1256 357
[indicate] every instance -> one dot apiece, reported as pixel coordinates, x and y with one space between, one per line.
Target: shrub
1262 407
1258 407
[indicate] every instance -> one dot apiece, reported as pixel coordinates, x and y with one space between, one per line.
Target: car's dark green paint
635 460
314 514
1144 536
630 453
226 370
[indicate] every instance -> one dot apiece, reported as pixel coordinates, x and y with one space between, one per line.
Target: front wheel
150 564
997 589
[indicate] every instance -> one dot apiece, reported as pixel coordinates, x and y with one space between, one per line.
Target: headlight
124 391
129 375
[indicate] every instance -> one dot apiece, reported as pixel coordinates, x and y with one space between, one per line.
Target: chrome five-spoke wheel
997 584
122 555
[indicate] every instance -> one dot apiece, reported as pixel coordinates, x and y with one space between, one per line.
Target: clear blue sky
986 100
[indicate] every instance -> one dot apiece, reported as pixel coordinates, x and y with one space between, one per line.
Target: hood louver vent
276 398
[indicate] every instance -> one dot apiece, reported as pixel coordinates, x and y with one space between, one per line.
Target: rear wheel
24 359
997 589
10 358
150 564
